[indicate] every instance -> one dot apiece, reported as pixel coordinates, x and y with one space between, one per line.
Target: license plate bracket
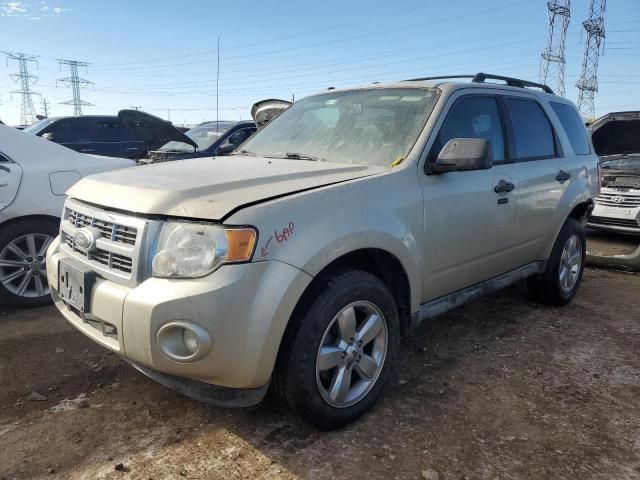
75 282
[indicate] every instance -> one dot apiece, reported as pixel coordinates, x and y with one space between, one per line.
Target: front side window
472 117
573 127
372 126
532 131
62 131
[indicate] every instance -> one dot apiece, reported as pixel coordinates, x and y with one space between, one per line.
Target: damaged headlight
190 250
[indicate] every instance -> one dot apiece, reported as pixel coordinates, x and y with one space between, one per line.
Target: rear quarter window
532 131
573 127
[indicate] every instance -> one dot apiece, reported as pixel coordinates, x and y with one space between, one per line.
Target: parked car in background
114 136
215 138
95 134
298 261
616 139
266 110
34 175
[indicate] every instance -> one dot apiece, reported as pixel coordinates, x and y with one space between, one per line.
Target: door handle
563 176
87 150
504 187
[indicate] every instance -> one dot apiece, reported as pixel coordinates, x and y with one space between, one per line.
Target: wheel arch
376 261
41 217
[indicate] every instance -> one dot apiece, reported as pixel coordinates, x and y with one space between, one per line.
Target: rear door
543 169
109 137
469 226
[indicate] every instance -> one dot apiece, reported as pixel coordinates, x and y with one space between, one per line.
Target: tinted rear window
533 132
573 126
109 131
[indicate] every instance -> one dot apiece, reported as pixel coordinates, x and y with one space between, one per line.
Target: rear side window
573 126
532 130
472 117
109 131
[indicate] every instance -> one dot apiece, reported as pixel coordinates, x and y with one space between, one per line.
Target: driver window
472 117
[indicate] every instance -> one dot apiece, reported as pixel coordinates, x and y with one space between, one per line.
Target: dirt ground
500 389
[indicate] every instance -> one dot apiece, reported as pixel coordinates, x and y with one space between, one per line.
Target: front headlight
190 250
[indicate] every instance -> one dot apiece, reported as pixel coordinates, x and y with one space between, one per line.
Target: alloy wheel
351 354
23 266
570 263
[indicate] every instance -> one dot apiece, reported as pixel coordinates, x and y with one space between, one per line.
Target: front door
470 217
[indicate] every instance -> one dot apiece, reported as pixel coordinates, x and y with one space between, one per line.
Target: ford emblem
85 239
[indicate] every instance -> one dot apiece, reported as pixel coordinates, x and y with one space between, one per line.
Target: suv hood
205 189
263 111
616 133
152 130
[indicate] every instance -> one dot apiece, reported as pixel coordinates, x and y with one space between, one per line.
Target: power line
552 63
328 42
27 110
588 82
76 83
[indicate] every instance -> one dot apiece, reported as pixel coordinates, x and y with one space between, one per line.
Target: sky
162 56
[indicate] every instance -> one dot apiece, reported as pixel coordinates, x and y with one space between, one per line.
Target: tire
23 247
315 341
559 283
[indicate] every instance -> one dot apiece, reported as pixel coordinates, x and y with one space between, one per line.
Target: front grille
119 252
111 230
619 199
109 259
615 222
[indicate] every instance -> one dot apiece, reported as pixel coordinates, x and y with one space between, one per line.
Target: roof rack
481 77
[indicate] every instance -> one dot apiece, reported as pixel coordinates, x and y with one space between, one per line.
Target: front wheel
565 266
23 275
337 355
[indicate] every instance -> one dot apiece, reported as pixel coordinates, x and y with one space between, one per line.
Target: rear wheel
23 275
337 356
560 282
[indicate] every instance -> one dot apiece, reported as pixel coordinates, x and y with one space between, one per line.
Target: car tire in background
338 352
23 249
565 266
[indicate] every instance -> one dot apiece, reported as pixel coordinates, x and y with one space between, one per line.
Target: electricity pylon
552 63
27 110
588 82
76 83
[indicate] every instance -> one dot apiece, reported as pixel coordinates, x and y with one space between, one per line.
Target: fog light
184 341
190 340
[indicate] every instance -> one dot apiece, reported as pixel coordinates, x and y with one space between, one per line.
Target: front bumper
244 308
615 219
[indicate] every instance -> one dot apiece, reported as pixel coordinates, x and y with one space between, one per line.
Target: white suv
299 261
616 138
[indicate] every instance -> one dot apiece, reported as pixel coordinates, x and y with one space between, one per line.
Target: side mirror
225 149
49 136
463 154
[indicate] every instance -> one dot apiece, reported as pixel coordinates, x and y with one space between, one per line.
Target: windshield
39 125
374 126
204 135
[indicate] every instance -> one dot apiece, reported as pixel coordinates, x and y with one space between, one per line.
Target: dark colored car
131 134
212 139
95 134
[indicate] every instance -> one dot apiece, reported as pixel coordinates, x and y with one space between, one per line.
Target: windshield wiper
302 156
245 152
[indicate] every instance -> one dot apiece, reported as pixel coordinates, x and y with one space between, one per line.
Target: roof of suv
452 82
